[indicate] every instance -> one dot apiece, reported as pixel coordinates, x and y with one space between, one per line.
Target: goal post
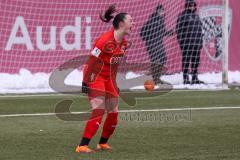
225 60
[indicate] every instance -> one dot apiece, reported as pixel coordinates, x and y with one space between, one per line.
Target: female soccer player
99 80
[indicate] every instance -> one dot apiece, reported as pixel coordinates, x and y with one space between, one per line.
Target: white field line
124 111
55 94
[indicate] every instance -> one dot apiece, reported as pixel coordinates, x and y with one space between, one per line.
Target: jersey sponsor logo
96 52
116 60
212 18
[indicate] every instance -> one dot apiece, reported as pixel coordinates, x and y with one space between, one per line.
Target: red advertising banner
42 35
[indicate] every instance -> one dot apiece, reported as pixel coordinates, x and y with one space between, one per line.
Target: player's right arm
93 67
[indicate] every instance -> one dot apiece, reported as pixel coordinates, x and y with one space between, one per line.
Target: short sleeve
98 48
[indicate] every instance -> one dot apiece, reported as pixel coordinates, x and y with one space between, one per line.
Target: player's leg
185 65
111 104
162 58
195 60
110 124
154 72
97 101
155 67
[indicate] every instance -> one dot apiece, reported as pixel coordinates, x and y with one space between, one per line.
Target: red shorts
103 86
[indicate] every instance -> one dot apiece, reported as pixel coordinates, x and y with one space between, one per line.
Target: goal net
37 37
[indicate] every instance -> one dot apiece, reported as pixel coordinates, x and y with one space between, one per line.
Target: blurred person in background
190 38
153 33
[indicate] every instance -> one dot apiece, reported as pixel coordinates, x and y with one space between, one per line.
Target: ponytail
107 15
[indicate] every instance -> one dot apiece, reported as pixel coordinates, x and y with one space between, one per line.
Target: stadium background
63 12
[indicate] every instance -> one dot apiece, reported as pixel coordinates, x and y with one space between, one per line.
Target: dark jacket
189 30
153 32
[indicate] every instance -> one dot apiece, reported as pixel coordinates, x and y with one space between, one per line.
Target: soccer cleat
105 147
84 149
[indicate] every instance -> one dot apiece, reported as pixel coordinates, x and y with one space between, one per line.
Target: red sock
93 123
110 124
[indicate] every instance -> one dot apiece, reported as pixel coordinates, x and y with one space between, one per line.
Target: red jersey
105 57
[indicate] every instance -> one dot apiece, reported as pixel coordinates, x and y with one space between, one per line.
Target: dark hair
159 8
107 16
190 4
